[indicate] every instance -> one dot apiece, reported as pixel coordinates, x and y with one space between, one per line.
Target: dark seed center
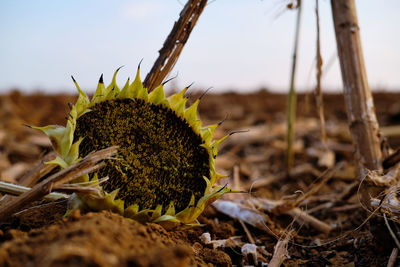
160 157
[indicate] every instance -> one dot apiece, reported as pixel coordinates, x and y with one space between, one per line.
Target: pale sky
236 45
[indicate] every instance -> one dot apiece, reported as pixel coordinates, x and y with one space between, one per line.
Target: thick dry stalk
291 103
85 166
174 43
318 91
359 103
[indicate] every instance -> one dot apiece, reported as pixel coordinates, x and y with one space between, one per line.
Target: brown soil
40 236
105 239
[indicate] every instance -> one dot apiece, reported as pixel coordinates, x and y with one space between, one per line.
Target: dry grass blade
318 91
89 164
292 98
174 43
280 251
396 241
248 233
393 257
281 207
17 190
325 177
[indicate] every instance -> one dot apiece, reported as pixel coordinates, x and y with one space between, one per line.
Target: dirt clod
103 239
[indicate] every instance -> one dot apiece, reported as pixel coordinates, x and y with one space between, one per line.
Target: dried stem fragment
17 190
41 169
89 164
280 251
174 43
282 207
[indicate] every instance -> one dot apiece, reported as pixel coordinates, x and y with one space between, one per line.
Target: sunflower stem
292 98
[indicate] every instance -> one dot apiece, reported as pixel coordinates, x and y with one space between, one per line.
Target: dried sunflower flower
165 169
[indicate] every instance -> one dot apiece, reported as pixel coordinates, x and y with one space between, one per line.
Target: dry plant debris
297 202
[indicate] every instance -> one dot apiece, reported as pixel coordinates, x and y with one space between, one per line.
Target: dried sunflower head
165 169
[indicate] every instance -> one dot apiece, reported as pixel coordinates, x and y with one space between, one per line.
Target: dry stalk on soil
359 102
281 207
280 251
249 212
318 90
89 164
360 108
363 124
291 103
174 43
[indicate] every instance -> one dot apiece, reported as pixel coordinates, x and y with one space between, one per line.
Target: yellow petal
220 176
171 209
207 133
157 96
131 210
125 91
58 161
136 89
68 136
73 153
100 91
114 194
180 107
168 221
175 99
191 112
55 134
83 101
215 144
113 90
157 212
